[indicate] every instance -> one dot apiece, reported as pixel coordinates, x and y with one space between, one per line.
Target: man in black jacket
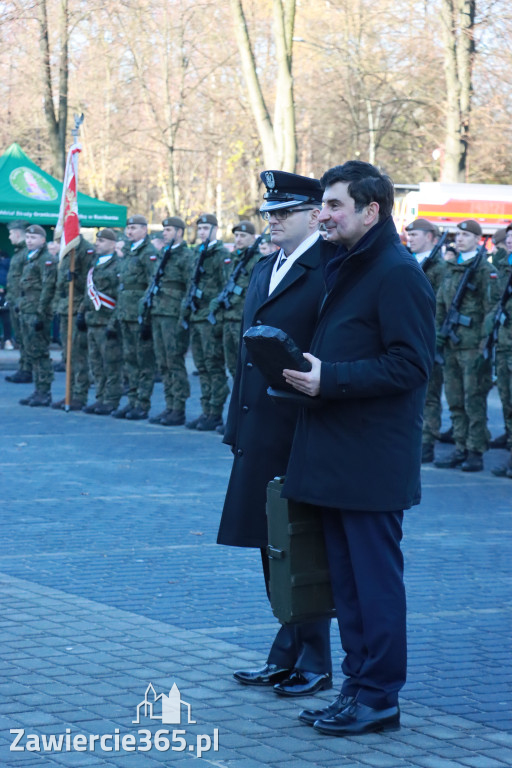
357 456
286 290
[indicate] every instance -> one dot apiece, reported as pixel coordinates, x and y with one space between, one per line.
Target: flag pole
71 168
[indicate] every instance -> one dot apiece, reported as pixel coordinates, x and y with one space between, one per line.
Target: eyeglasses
282 213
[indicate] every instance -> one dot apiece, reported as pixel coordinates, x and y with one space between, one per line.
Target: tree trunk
457 25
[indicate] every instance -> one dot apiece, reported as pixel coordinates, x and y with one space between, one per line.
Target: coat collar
308 260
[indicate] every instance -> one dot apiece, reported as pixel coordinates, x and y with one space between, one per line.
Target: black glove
80 322
145 332
38 325
111 334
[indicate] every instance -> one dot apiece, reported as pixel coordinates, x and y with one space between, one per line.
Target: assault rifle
501 317
144 317
454 316
194 292
435 250
231 286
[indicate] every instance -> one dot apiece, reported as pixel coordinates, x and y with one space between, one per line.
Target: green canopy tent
27 192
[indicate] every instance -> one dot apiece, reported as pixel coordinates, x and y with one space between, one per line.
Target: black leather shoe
455 459
302 683
310 716
358 718
267 675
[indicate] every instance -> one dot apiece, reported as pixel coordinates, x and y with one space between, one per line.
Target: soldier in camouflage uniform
231 317
170 339
504 357
135 273
17 237
84 254
466 380
103 334
421 238
37 289
206 339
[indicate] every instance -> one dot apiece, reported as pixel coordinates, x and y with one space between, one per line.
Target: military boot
26 400
174 419
194 423
473 463
104 409
58 404
210 424
59 367
500 442
92 407
41 400
158 418
454 459
504 470
120 413
427 453
136 414
447 436
20 377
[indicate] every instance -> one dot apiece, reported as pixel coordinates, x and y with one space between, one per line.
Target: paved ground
111 579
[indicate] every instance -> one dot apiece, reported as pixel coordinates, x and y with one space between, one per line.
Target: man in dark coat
286 290
357 456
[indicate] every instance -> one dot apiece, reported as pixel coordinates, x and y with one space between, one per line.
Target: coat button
239 452
249 365
245 408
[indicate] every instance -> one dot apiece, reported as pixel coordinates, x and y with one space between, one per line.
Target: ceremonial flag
68 224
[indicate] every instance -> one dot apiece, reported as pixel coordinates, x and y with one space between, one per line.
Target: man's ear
372 214
314 214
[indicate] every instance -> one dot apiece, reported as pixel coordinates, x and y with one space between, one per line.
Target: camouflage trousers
231 344
466 384
433 408
106 365
80 381
24 363
37 347
170 341
139 365
206 344
504 383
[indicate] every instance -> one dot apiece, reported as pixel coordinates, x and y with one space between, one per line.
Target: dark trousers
366 567
305 645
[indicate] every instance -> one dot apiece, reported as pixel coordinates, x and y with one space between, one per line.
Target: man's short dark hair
366 184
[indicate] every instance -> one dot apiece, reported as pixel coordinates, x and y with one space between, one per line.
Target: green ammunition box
300 587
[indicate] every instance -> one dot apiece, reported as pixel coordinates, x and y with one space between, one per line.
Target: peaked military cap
244 226
174 221
18 224
208 218
285 190
424 225
137 219
470 225
107 234
35 229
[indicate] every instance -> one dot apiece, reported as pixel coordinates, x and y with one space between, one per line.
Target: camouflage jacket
18 260
84 257
505 330
37 283
105 280
476 304
135 273
174 281
210 282
435 272
237 297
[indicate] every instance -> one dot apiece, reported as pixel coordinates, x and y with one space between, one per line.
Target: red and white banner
68 224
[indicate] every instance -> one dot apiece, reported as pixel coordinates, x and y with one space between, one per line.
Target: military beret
208 218
35 229
174 221
470 225
285 190
137 219
265 238
499 236
18 224
244 226
424 225
509 227
107 234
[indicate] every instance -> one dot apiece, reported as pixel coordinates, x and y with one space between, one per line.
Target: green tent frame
29 193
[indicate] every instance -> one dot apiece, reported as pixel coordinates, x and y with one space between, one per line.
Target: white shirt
135 245
420 257
278 273
104 259
463 257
